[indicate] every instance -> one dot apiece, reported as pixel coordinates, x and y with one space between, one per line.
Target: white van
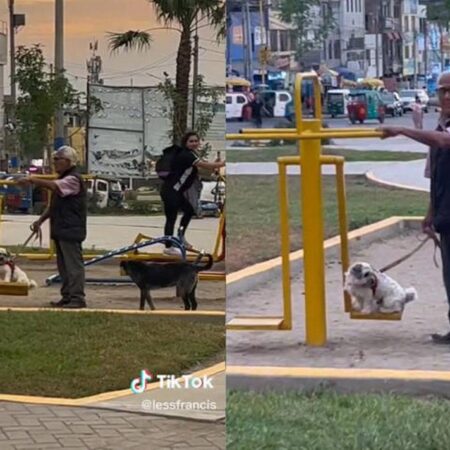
235 102
108 191
275 102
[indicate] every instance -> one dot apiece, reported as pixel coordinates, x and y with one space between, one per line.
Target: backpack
164 164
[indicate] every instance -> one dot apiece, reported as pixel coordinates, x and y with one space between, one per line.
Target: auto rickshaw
337 101
365 105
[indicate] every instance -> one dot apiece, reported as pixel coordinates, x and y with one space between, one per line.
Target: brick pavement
27 426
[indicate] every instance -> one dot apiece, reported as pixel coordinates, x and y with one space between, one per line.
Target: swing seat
375 316
255 323
13 288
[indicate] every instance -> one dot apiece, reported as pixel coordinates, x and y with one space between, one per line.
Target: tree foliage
311 27
41 94
184 16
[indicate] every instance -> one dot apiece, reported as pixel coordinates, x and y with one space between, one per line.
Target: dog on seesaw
10 272
373 291
183 275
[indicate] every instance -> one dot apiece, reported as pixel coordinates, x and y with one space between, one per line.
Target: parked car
235 103
392 103
408 97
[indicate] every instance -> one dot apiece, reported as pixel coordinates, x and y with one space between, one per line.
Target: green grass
327 421
253 212
270 154
78 354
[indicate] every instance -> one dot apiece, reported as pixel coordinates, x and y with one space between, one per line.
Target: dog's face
362 274
5 256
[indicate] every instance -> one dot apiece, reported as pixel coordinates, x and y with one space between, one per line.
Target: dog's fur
13 276
182 275
373 291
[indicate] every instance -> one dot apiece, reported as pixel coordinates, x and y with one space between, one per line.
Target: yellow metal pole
312 218
285 247
219 239
314 261
343 228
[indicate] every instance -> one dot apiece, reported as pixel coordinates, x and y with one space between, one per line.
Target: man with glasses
67 213
438 170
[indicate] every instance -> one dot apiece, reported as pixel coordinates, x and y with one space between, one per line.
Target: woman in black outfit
183 173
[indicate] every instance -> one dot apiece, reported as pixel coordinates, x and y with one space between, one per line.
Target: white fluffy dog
373 291
10 272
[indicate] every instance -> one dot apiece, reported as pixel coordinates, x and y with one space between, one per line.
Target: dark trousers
174 202
445 253
69 259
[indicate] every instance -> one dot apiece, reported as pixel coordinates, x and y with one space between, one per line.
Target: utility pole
425 52
415 58
195 74
94 65
263 57
249 40
12 54
59 69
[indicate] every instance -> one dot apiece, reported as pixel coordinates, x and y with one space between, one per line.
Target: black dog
182 275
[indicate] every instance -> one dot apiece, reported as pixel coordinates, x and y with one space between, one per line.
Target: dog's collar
12 266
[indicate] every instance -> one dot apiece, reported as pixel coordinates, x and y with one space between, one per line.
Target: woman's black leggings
175 201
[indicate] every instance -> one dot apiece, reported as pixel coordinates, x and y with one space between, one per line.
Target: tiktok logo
138 385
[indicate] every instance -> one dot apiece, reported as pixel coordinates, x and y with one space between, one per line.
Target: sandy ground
351 343
210 295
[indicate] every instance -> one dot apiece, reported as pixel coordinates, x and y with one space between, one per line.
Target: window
337 49
413 23
241 99
284 98
351 5
348 6
406 51
293 38
330 50
274 40
102 186
368 55
229 100
284 41
406 23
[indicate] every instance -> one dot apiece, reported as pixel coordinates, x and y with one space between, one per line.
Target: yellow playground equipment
310 160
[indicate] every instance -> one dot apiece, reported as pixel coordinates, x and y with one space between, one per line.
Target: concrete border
345 381
158 312
371 177
105 396
250 277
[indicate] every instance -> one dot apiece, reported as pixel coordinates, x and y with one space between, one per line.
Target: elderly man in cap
438 170
67 213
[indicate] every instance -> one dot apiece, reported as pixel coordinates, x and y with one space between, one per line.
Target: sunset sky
89 20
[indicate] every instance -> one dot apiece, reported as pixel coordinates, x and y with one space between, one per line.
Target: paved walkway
24 426
110 232
406 173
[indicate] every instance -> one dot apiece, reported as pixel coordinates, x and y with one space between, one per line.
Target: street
341 122
396 144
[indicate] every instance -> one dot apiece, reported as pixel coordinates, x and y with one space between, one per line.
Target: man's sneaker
60 303
186 244
74 305
441 338
172 251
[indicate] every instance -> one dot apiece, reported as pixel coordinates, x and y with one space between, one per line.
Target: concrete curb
250 277
344 381
378 181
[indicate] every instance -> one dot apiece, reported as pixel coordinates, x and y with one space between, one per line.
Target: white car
235 102
408 97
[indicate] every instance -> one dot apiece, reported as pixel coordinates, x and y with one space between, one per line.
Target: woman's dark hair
186 137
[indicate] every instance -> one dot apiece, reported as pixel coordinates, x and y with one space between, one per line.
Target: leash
437 245
34 233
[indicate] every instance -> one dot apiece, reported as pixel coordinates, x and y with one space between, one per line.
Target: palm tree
184 14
